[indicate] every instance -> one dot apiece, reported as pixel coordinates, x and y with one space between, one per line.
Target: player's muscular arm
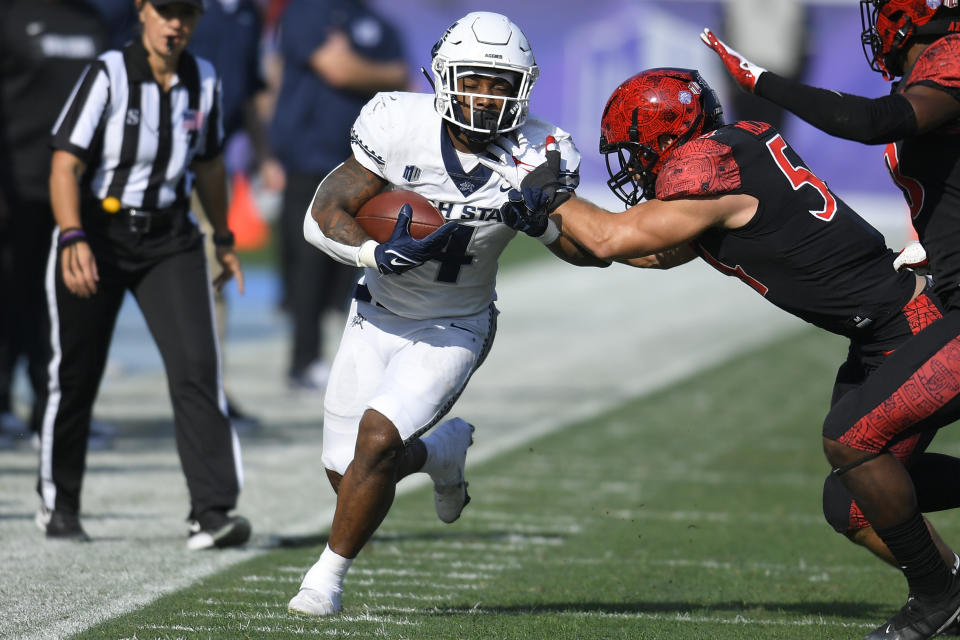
569 251
650 227
663 259
339 196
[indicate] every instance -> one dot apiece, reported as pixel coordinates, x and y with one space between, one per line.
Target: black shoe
60 525
952 629
217 529
921 618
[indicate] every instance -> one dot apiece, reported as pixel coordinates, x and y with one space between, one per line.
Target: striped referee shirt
136 140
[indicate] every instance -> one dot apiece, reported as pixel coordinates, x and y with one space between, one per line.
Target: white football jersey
401 138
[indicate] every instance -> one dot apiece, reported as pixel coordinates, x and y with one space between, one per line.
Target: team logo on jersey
466 187
411 173
133 117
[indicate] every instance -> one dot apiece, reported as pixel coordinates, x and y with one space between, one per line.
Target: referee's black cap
162 3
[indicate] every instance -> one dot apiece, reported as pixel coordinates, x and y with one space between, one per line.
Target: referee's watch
224 240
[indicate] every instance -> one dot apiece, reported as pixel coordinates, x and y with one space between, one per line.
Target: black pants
173 292
313 281
897 403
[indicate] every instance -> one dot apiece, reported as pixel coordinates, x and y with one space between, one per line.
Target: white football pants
411 371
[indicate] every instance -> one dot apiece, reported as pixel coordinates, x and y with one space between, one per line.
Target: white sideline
571 343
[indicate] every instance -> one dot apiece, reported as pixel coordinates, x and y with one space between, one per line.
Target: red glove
743 71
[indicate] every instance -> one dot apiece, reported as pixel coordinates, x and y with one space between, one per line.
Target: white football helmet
483 43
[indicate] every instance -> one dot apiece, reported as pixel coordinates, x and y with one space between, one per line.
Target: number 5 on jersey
799 176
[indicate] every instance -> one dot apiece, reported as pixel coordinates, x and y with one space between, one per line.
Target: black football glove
528 208
403 252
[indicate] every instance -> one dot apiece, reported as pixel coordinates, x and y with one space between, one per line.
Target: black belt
362 293
141 220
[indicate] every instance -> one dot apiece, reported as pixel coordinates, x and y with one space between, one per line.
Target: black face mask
483 119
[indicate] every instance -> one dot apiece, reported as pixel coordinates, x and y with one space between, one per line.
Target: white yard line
571 343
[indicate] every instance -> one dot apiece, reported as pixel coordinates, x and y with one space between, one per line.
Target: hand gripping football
378 215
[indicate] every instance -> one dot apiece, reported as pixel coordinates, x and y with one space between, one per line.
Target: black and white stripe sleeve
212 140
79 122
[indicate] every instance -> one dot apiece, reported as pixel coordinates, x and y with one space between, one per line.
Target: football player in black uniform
918 42
739 197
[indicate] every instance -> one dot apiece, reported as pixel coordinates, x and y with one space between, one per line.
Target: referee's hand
230 263
79 269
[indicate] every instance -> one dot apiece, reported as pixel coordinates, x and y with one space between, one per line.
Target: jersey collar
466 182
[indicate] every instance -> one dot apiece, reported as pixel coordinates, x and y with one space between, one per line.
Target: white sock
437 454
327 573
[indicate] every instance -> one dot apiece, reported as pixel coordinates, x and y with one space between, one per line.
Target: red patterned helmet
651 104
888 26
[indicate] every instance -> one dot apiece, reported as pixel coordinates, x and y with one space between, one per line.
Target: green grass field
691 513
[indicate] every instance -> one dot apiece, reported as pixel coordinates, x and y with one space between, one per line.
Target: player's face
167 29
486 94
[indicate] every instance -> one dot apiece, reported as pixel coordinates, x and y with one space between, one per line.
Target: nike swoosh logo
504 189
400 262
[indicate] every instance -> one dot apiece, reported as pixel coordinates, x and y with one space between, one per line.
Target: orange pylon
244 217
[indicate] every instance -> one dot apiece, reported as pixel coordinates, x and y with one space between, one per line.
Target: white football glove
913 257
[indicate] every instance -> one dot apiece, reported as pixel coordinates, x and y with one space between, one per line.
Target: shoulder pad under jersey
939 63
704 166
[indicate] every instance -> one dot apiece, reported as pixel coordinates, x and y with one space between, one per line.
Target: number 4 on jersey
799 176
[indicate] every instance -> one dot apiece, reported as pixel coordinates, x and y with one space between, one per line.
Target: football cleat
311 602
921 618
450 442
60 525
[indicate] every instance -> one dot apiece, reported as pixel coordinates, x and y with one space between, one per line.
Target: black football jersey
927 169
805 250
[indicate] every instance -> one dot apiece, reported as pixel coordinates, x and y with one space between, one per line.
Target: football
378 215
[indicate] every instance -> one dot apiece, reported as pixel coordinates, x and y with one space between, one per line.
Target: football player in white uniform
423 317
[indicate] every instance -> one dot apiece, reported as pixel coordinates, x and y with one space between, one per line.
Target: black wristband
866 120
71 236
225 240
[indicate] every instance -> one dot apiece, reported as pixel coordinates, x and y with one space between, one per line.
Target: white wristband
550 234
365 256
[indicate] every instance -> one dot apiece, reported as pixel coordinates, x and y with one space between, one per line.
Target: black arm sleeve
867 120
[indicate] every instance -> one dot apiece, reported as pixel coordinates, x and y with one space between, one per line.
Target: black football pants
174 295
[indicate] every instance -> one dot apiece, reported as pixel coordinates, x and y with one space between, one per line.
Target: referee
141 129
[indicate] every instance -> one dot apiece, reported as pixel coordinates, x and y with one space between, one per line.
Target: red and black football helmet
655 102
888 26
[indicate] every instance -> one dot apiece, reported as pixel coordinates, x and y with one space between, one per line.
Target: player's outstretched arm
650 227
667 259
868 120
569 251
